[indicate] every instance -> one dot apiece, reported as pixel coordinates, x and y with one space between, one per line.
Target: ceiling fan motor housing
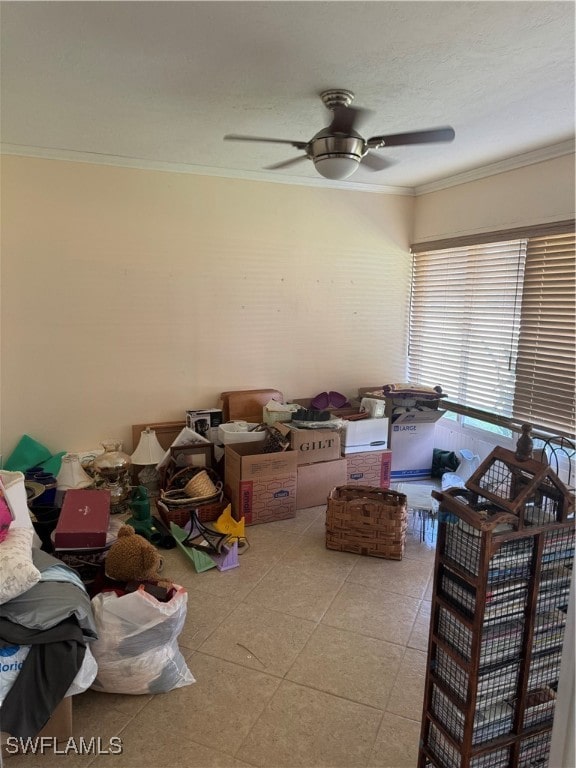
336 157
337 146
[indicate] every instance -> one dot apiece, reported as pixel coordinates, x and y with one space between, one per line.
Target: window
494 324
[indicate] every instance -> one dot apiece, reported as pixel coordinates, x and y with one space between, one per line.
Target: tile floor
303 658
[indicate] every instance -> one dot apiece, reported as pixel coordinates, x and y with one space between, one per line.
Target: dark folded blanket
54 659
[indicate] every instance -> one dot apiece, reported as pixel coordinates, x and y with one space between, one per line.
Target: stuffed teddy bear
132 559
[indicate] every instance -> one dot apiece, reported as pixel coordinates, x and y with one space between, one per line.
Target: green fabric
53 464
28 453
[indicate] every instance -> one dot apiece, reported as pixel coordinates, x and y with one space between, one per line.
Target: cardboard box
418 416
261 486
371 468
314 445
315 481
412 444
58 727
83 521
365 435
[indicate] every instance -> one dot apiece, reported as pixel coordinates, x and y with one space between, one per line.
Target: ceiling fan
338 150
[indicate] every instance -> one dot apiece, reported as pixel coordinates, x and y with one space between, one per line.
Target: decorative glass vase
112 473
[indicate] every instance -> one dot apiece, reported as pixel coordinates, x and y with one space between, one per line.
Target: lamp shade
148 451
72 474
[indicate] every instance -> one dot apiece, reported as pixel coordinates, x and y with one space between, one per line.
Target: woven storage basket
179 479
174 506
207 511
366 521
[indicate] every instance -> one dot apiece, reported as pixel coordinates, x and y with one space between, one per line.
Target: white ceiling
158 84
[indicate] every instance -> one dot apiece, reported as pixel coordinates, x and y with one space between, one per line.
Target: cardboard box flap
247 460
425 416
315 481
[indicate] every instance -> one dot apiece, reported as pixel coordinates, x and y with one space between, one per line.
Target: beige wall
535 194
131 295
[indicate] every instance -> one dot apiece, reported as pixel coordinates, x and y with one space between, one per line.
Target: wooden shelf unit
501 589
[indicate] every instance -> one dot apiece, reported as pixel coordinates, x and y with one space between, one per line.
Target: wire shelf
534 751
511 560
499 642
449 757
495 683
540 706
504 602
488 723
544 669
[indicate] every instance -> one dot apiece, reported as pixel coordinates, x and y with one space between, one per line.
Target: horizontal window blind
464 322
494 324
545 389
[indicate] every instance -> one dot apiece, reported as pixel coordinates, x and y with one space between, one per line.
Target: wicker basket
207 511
183 459
366 521
182 476
174 505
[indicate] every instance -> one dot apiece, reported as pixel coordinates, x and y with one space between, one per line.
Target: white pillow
18 571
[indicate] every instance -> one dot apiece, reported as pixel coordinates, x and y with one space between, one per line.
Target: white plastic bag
137 648
12 658
86 674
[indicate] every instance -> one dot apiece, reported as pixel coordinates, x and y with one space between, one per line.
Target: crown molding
47 153
492 169
509 164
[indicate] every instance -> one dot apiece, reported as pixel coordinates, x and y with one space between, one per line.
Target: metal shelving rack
502 575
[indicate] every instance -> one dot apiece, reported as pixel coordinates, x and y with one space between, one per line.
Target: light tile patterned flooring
303 658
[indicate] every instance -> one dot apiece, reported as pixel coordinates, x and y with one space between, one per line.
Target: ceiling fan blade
237 137
285 163
413 137
345 118
375 163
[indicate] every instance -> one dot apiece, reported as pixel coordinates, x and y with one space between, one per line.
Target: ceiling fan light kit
338 150
336 157
337 167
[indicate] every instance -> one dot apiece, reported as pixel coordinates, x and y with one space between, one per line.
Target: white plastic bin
239 432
